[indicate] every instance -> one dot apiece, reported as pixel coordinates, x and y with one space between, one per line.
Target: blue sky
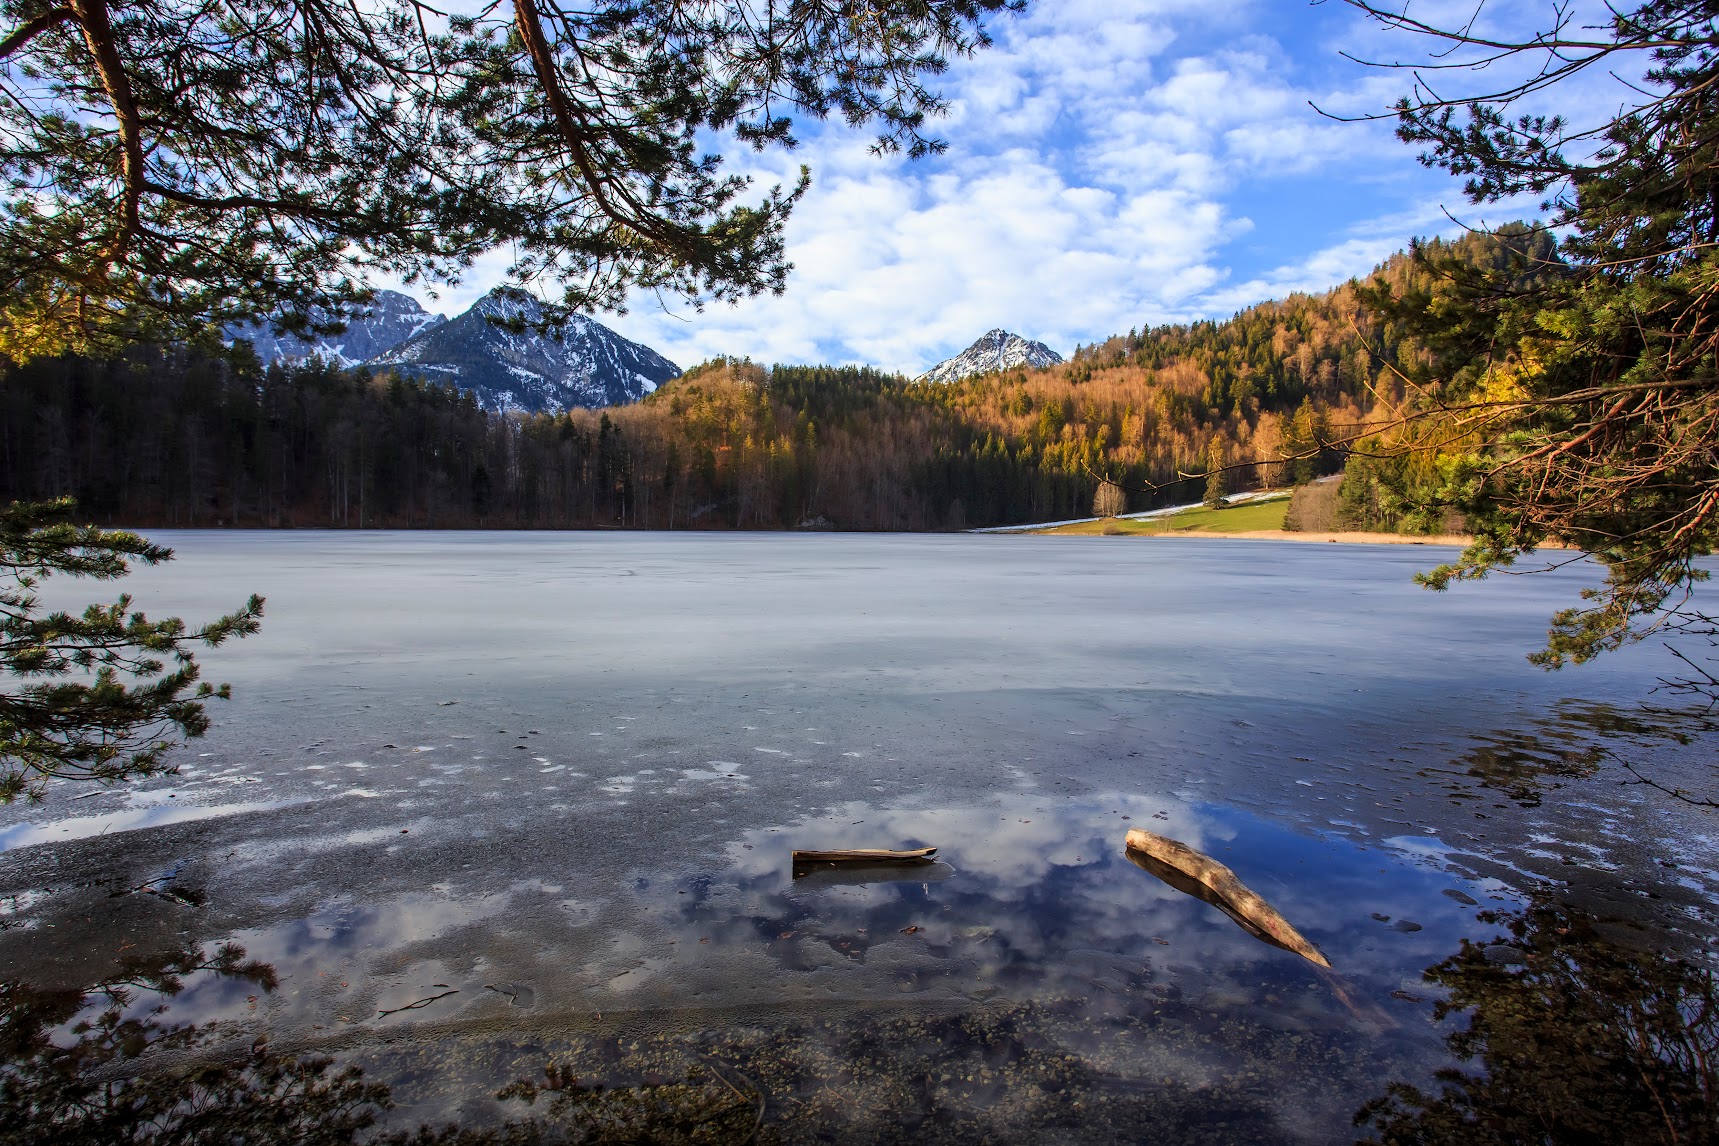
1111 164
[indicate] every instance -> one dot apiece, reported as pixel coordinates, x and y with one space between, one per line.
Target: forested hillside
181 438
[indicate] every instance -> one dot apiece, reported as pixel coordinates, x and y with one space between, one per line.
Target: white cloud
1104 158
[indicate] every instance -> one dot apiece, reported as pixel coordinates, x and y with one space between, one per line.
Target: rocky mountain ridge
583 363
995 350
494 351
390 319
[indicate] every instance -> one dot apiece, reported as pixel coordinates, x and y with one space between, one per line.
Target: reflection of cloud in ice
1011 842
718 770
1434 852
346 961
1038 911
1039 901
1035 901
130 819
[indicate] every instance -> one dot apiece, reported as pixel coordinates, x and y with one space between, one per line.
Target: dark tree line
179 437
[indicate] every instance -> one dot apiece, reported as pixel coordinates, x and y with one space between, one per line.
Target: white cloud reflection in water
1032 902
1030 898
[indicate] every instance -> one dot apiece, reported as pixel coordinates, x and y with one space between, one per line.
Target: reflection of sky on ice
1032 900
1039 899
1033 896
144 810
349 962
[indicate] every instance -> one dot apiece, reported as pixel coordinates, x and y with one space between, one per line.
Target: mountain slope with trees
179 437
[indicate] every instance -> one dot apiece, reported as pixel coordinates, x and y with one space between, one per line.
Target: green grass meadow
1265 514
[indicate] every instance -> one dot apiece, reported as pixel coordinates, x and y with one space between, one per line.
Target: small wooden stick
866 855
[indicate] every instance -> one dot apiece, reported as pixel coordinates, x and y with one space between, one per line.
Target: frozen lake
484 802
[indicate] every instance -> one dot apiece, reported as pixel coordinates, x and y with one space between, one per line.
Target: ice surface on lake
551 776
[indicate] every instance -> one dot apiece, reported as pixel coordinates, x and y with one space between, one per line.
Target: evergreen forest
182 437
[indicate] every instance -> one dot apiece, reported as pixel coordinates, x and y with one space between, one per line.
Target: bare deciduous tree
1110 500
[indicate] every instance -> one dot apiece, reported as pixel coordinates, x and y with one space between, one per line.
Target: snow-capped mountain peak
495 350
389 319
995 350
580 363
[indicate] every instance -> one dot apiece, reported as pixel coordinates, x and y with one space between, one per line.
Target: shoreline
1451 540
1342 537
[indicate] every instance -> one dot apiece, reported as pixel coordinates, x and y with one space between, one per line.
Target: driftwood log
866 855
1199 875
867 865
